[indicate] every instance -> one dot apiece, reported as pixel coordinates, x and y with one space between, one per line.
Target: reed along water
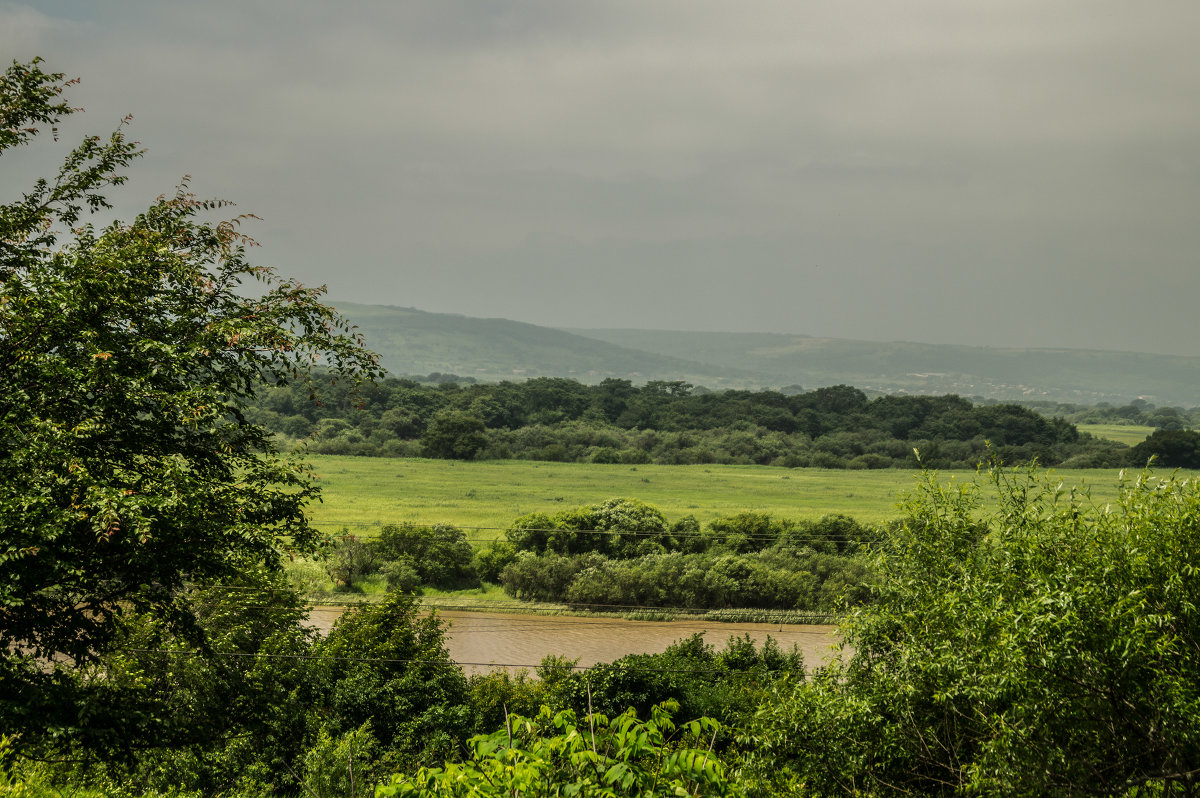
485 641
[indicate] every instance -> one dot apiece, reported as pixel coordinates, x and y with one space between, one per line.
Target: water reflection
483 641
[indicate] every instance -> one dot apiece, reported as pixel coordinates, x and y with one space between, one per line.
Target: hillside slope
417 342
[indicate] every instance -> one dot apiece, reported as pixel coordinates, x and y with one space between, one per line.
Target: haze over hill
1075 375
412 341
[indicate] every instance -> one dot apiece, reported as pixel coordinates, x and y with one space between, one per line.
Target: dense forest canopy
616 421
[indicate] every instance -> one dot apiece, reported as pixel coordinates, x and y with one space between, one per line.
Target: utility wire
500 626
524 609
628 532
444 662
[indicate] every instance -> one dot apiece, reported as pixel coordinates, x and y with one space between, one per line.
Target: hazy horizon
337 302
1005 173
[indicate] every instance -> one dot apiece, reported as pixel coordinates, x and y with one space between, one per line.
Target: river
484 641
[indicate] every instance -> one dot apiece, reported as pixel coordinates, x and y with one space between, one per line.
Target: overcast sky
994 172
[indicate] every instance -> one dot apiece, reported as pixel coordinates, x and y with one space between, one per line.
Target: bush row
623 553
777 579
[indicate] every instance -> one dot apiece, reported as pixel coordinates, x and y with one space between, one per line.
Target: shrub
1050 650
440 554
554 754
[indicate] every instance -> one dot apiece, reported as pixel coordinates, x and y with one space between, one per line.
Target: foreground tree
127 470
1046 646
239 713
555 755
387 665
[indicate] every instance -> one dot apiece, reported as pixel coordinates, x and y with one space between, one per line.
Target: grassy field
1121 433
363 493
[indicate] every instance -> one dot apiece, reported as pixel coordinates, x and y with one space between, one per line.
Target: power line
762 618
786 535
784 539
521 608
478 626
446 662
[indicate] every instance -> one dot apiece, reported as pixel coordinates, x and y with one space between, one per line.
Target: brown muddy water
485 641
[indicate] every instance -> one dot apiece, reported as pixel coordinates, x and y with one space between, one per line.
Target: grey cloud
1006 172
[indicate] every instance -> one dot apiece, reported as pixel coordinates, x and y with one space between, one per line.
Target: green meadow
363 493
1121 433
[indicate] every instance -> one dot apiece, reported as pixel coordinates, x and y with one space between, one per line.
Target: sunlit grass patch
362 494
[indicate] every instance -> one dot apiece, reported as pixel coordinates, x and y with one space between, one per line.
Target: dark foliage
557 419
724 684
1169 448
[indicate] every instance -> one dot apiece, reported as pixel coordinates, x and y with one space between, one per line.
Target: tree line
1139 412
558 419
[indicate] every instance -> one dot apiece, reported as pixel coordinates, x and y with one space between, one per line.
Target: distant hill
413 341
417 342
1070 375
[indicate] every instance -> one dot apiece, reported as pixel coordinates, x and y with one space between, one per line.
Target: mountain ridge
413 342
